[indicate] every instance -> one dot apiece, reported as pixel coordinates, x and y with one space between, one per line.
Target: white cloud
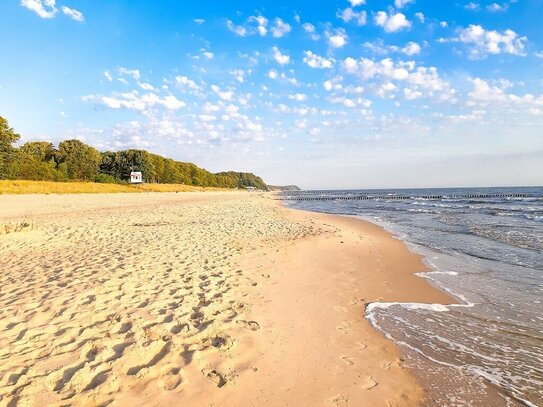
411 48
337 40
211 108
355 3
73 14
402 3
238 74
472 6
483 94
207 117
420 16
316 61
299 97
183 81
134 73
495 7
368 69
485 42
222 94
108 76
380 48
199 21
281 59
310 29
349 14
208 54
172 103
301 124
273 74
411 94
482 91
420 78
385 89
281 28
262 23
239 30
328 85
134 101
146 86
393 22
43 8
349 103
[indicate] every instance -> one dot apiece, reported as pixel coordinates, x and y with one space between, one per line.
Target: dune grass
50 187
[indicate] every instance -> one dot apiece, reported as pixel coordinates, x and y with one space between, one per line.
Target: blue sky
324 94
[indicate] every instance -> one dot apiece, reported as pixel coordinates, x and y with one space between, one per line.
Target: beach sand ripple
99 304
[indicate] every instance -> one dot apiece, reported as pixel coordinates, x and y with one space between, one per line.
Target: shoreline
274 312
445 375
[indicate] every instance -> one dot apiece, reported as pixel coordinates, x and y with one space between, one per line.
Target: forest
73 160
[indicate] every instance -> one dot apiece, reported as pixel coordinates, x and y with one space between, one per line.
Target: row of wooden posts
400 197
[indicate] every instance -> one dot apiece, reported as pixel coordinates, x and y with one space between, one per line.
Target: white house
136 177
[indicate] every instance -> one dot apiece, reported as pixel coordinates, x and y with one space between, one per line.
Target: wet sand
200 299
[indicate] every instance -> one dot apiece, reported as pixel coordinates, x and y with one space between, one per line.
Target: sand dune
197 299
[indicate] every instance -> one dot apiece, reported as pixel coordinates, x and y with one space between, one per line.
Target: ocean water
488 253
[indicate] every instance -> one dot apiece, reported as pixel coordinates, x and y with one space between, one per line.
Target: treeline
74 160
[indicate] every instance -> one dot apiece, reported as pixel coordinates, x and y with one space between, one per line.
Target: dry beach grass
197 299
50 187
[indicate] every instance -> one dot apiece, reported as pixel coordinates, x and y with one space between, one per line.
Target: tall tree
82 161
7 151
41 150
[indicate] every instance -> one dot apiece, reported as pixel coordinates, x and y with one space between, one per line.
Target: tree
82 161
41 150
30 167
38 160
7 151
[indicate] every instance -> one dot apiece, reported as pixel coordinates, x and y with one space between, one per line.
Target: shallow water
489 254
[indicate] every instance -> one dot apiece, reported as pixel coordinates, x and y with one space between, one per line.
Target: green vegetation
244 179
76 161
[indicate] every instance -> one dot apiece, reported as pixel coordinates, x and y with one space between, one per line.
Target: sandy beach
197 299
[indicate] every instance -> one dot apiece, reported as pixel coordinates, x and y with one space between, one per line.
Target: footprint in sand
124 328
348 360
386 365
369 383
97 380
252 325
344 327
217 341
265 275
339 399
171 378
214 377
178 328
356 301
361 345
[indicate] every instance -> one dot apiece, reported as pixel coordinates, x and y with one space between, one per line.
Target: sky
325 94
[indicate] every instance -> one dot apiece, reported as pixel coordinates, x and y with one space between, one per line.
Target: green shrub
106 179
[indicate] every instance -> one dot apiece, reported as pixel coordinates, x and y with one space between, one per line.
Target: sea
486 250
